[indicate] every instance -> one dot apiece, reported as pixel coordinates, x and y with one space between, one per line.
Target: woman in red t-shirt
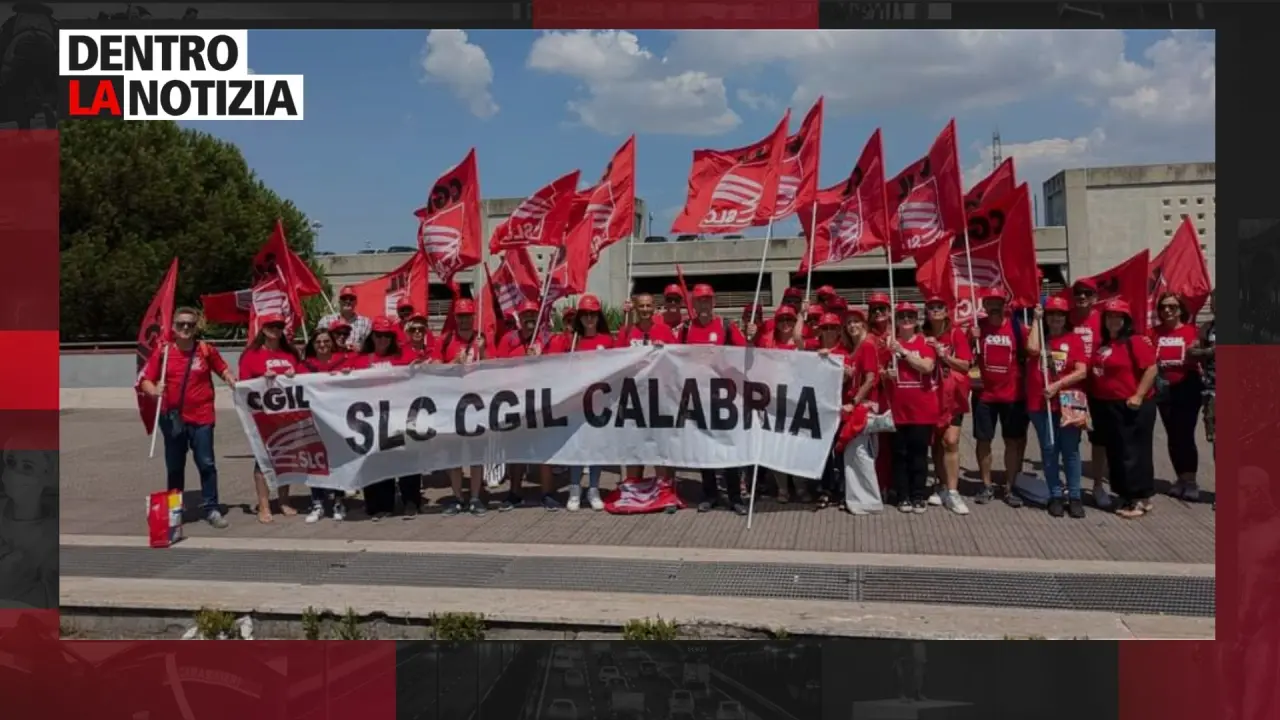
322 355
856 465
590 331
382 350
1123 371
419 345
270 354
1068 366
780 334
954 357
915 408
1175 337
880 327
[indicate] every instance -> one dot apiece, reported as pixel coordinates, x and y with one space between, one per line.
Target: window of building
1167 217
1182 201
1165 202
1199 216
1167 232
1200 230
1199 201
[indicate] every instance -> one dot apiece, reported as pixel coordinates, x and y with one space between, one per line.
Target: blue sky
387 111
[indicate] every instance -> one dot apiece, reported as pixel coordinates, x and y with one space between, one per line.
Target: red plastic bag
164 518
635 496
851 425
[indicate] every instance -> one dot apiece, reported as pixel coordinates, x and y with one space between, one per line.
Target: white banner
695 407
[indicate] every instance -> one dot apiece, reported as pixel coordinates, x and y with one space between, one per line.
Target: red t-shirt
771 342
956 343
197 403
1089 330
337 361
1172 351
998 363
450 344
412 354
367 361
1066 351
565 343
259 361
884 360
513 345
865 359
633 336
915 395
714 333
1113 369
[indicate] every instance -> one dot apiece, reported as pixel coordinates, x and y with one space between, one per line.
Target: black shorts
957 420
1012 418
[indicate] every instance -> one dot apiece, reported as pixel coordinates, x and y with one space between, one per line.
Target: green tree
134 196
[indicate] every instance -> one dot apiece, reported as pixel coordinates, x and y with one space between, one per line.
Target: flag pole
1044 371
813 229
631 244
755 468
893 301
301 313
155 424
542 304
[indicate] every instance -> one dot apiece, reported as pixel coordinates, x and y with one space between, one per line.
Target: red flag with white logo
1001 182
294 270
449 227
570 268
730 190
541 219
227 308
798 173
273 297
1180 268
515 281
1005 258
382 295
152 332
851 218
925 199
1127 281
935 273
609 214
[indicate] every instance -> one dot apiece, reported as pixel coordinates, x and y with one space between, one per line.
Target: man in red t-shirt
519 342
644 328
673 306
707 328
1001 399
187 414
1086 321
463 346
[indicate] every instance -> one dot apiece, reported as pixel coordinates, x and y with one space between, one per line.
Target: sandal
265 516
1131 512
824 502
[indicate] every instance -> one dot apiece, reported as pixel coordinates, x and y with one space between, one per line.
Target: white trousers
861 488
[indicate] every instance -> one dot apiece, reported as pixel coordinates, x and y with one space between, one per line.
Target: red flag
273 297
152 332
1001 182
541 219
570 268
228 308
515 281
798 173
609 214
684 290
925 199
1180 268
1127 281
381 295
450 325
851 217
1005 258
730 190
492 315
295 270
935 274
449 226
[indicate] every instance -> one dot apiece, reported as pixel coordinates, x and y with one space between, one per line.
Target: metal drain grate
1123 594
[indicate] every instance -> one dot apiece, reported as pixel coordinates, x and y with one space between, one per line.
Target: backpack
725 327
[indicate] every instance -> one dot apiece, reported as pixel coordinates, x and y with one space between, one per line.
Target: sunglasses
415 329
184 325
274 326
935 307
1171 306
1084 293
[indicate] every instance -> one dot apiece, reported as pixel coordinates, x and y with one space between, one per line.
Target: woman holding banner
381 349
590 332
1175 337
1124 373
915 408
464 345
323 355
854 462
1068 367
880 327
268 355
781 335
954 357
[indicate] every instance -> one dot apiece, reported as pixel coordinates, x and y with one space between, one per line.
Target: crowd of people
1067 368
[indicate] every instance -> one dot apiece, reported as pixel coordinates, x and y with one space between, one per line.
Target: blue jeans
593 476
1063 456
199 440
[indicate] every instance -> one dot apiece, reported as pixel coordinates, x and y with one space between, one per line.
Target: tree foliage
136 195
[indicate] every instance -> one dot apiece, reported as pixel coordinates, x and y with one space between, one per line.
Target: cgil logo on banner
170 75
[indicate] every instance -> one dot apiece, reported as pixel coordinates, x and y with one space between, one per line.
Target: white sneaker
593 497
935 499
575 498
339 512
317 512
953 502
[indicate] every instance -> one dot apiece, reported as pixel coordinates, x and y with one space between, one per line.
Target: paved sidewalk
106 477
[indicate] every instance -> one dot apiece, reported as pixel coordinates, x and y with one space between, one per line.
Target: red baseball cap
829 320
417 315
337 324
702 290
383 325
464 306
815 311
838 303
405 302
930 299
786 312
906 307
347 291
855 311
589 303
270 319
1086 283
1117 306
673 290
992 293
569 311
1056 304
826 291
528 306
792 293
877 298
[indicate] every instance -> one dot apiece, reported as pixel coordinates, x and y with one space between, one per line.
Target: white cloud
448 59
626 88
1036 160
755 100
1178 87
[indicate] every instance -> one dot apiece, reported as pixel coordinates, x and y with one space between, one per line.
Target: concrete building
1112 213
